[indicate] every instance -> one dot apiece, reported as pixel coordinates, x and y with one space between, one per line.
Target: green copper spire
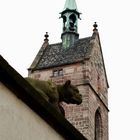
70 16
71 5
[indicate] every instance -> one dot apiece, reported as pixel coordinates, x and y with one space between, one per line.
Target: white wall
19 122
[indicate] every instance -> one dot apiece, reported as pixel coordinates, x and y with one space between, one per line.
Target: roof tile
56 55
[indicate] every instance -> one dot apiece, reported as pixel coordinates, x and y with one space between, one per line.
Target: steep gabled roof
55 55
24 91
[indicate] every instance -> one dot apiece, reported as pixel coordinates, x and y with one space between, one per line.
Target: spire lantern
70 17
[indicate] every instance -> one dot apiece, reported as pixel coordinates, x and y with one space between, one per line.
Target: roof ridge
84 38
55 43
77 40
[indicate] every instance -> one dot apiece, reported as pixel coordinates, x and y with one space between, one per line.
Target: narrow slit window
98 126
60 72
55 73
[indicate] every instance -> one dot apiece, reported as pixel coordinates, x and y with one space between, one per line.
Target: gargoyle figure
57 93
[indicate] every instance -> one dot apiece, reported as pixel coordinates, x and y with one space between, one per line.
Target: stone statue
55 94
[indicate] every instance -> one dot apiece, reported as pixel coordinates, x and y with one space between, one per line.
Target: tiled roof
55 55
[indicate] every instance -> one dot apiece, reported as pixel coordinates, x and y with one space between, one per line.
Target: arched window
72 20
98 126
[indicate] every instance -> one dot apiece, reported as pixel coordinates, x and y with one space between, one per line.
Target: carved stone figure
55 94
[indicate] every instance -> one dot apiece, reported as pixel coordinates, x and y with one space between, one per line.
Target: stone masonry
89 76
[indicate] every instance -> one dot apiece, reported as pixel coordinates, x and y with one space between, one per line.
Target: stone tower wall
81 116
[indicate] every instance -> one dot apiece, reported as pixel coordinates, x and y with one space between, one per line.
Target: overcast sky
23 24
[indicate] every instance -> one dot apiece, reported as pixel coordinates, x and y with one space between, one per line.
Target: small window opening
55 73
64 23
98 126
72 19
58 73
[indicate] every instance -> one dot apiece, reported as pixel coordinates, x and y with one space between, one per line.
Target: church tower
81 61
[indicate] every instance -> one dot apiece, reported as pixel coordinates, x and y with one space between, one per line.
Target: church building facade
81 61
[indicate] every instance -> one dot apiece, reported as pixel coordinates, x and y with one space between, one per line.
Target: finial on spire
95 26
46 37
